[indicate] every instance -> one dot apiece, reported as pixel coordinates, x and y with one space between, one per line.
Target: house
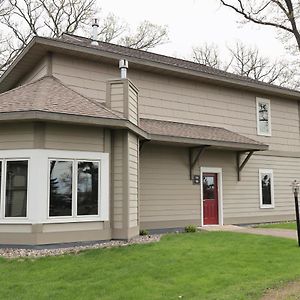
88 154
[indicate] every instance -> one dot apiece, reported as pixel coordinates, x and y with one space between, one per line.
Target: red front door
210 198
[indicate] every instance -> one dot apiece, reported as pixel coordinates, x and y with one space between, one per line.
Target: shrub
144 232
190 228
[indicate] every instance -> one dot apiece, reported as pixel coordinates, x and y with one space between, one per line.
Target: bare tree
20 20
280 14
147 36
247 61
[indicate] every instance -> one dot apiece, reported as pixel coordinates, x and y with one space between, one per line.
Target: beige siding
117 97
16 136
38 71
72 137
166 193
133 179
118 180
132 105
162 96
86 77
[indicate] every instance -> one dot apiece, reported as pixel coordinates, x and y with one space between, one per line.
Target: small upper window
263 112
266 188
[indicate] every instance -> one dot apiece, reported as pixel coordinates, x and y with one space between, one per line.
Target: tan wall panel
38 71
166 192
72 137
177 99
16 136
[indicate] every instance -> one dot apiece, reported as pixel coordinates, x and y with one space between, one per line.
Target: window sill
267 206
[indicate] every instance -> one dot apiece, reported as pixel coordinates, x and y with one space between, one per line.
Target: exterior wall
86 77
32 234
125 185
74 137
169 199
165 97
36 135
16 136
39 71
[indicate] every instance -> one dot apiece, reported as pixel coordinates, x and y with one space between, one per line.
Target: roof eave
53 44
73 119
204 142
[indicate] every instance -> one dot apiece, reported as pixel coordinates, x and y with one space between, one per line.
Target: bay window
49 186
74 188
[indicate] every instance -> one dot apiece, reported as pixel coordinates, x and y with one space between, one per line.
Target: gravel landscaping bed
18 252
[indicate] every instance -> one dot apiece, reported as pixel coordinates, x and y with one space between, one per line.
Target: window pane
208 187
60 188
263 114
266 189
16 189
87 188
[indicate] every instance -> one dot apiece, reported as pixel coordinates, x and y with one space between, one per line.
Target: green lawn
284 225
214 265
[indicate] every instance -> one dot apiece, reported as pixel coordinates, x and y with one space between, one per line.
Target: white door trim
218 171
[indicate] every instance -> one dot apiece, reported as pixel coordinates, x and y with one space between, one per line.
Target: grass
283 225
214 265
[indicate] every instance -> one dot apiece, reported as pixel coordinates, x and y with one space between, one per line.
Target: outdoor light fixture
295 188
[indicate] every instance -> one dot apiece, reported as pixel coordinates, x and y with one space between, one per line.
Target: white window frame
37 189
3 189
266 101
266 171
74 215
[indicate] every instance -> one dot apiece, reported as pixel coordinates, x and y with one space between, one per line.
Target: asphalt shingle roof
49 94
209 133
162 59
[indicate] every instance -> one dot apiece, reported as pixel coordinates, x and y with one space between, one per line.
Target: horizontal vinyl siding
117 97
118 182
86 77
133 179
165 97
241 199
72 137
39 71
16 136
132 106
166 193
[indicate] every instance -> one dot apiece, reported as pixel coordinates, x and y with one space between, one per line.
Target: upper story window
263 112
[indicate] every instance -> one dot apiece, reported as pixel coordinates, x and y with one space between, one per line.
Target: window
266 188
68 176
263 112
15 183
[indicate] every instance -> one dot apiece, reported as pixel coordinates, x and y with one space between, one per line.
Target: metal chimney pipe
123 66
95 27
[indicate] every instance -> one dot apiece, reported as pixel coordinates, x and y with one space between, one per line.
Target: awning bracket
240 166
192 162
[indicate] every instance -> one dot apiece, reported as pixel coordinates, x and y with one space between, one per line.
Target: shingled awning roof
165 131
48 94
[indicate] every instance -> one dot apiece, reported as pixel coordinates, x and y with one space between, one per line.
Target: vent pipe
123 66
95 27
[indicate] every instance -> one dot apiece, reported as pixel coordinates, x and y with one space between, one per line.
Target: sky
194 22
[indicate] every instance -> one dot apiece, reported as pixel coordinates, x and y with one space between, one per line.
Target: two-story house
91 153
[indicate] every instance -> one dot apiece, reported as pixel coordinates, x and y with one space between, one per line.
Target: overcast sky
194 22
